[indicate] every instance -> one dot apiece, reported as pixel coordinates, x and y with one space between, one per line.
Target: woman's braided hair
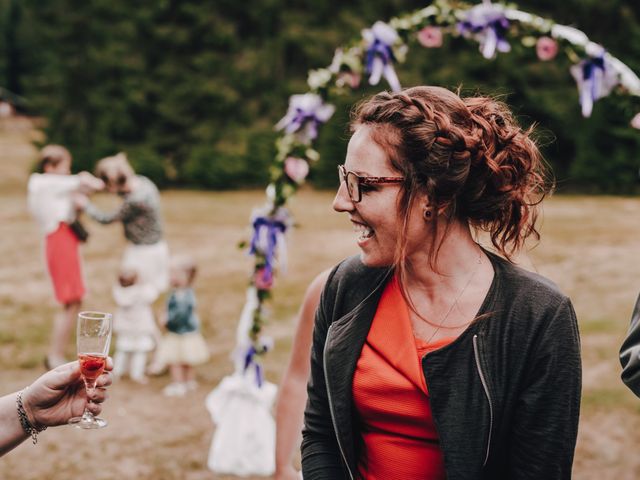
468 155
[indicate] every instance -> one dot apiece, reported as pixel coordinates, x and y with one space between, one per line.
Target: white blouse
50 199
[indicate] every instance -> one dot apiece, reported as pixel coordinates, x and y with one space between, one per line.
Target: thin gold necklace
453 304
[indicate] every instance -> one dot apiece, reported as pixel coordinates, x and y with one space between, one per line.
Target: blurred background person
140 214
51 192
134 325
147 252
182 346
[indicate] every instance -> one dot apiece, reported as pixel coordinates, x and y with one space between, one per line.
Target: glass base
90 423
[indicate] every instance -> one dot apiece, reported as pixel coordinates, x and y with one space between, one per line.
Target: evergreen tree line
191 90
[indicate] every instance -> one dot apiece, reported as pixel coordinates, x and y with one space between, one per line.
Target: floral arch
493 26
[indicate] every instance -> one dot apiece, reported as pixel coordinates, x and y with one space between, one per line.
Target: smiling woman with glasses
433 357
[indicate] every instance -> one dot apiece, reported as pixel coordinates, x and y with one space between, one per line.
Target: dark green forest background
191 89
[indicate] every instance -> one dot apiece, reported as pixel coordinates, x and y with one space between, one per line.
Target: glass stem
87 416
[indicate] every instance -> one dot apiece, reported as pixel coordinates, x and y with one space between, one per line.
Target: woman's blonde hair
115 170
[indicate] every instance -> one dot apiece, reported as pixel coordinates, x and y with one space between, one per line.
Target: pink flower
430 37
635 121
296 169
546 48
348 78
262 279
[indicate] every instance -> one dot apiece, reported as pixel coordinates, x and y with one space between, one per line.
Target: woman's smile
363 231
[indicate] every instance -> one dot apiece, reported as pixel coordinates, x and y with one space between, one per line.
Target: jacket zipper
333 420
486 391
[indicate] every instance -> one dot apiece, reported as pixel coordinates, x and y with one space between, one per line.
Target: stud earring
427 214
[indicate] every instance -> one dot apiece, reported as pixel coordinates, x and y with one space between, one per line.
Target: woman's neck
457 257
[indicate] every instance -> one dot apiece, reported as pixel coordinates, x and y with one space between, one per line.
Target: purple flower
305 114
635 121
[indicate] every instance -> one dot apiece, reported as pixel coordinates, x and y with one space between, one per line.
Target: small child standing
182 346
134 325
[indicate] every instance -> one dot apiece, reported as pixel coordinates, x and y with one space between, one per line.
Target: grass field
589 247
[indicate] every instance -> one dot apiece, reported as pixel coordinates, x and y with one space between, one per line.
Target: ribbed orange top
390 394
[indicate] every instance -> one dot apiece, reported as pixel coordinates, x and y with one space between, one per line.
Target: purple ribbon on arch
595 79
487 24
305 114
250 361
379 49
266 233
379 57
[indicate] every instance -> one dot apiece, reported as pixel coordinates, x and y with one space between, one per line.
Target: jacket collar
344 343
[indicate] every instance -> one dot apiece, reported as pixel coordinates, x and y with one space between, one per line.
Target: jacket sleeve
630 352
320 451
545 424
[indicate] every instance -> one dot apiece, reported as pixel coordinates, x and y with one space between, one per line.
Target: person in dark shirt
433 357
630 352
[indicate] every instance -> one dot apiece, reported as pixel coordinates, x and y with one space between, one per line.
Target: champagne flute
93 340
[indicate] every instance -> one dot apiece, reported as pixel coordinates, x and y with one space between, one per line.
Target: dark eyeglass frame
356 197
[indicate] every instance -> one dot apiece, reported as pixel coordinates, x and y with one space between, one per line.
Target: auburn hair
469 156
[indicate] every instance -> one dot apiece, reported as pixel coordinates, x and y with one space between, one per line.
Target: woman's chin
370 260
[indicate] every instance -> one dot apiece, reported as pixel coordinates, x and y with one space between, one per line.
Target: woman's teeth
363 231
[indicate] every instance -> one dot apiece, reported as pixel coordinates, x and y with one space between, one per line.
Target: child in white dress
134 325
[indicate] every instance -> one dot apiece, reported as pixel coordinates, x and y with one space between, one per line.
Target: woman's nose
342 202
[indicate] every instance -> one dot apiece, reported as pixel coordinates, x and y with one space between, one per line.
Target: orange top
390 394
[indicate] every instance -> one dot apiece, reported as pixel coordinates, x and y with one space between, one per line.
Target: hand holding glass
93 340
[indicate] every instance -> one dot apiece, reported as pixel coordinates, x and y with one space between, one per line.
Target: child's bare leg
177 373
138 364
62 327
190 377
177 387
156 367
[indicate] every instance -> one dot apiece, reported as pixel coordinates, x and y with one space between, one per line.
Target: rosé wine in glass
91 367
93 341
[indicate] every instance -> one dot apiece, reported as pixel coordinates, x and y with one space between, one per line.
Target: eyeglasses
354 181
